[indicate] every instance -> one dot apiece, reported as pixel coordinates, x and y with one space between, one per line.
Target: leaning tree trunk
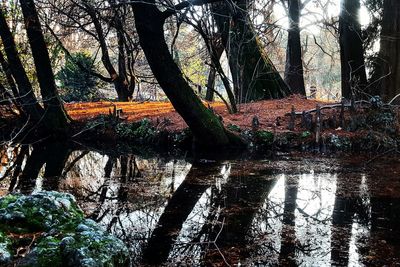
354 78
15 97
15 72
294 64
388 69
206 127
55 117
254 76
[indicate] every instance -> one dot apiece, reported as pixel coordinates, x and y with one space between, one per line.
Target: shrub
77 84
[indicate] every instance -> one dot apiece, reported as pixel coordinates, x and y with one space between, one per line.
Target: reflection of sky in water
314 208
135 219
315 202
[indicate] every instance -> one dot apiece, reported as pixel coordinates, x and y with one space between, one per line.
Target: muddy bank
365 131
290 124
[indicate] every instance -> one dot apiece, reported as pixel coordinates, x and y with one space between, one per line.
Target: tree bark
215 50
294 77
387 76
119 78
354 78
15 98
29 103
211 84
55 116
206 127
254 76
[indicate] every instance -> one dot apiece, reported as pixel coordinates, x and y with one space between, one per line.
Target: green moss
4 238
264 137
5 201
5 249
38 213
136 130
48 251
305 134
68 239
234 128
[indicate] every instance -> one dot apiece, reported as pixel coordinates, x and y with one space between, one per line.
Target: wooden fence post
341 117
292 119
318 125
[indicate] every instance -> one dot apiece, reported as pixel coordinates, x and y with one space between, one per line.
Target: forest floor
270 113
364 128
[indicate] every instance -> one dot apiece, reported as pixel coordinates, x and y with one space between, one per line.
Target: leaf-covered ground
266 111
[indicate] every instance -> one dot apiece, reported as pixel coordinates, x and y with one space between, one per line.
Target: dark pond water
290 211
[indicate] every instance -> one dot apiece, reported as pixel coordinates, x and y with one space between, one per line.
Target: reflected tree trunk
103 190
243 197
56 156
34 163
51 155
18 167
288 234
344 210
176 212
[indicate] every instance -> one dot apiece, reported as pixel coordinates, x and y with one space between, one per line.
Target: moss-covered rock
5 249
67 239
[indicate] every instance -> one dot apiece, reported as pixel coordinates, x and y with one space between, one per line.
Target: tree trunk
254 76
215 50
211 84
388 70
15 98
5 97
294 63
354 78
206 127
125 91
120 81
28 100
218 50
55 117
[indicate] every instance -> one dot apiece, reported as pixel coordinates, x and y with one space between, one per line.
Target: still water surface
289 211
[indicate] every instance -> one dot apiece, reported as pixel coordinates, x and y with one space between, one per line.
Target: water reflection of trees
171 211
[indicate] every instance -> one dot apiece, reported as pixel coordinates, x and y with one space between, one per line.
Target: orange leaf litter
266 111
